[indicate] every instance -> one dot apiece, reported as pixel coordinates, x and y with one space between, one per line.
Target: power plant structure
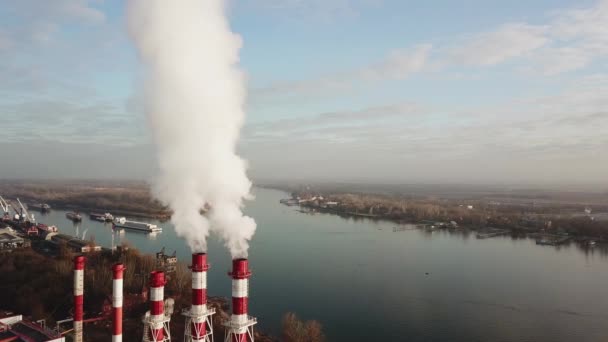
117 286
240 326
156 321
199 318
79 262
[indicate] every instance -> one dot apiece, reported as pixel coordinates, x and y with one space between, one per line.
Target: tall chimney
156 318
240 325
117 270
199 327
79 262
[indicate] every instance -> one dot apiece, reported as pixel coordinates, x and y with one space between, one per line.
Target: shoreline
162 217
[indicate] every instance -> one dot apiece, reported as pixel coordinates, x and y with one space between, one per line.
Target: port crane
24 213
5 208
4 205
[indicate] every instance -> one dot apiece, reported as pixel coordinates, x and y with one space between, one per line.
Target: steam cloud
195 94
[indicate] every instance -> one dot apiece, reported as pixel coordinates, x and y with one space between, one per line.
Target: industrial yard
49 307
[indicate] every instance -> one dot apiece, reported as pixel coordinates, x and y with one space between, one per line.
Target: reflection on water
393 282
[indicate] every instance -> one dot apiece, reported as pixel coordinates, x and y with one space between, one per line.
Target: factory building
74 243
15 329
9 240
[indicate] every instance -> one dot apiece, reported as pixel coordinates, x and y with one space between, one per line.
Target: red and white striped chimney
199 296
240 297
157 305
79 262
117 278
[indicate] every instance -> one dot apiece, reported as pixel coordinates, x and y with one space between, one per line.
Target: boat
289 201
98 218
107 217
45 228
43 207
138 226
73 216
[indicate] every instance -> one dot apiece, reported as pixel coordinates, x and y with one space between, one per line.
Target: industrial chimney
156 323
117 277
79 262
199 322
240 326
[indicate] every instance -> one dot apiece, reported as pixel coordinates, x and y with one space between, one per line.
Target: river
364 281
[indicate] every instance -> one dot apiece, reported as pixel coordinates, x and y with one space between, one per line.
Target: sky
338 90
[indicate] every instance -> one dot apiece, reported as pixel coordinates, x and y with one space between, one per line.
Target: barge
137 226
73 216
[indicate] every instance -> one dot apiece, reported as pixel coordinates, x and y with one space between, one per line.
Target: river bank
119 198
555 220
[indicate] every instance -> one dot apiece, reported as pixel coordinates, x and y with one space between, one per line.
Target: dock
492 232
552 240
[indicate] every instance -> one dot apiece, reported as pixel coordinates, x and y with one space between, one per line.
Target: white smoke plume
194 100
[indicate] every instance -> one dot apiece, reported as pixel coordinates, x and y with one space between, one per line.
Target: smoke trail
195 95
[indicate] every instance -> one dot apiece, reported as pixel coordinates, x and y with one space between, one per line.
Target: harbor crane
5 209
24 214
4 205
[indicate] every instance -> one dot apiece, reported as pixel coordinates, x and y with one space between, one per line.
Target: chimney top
240 269
118 269
157 279
79 262
199 262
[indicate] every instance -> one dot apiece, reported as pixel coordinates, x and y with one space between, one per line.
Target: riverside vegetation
585 217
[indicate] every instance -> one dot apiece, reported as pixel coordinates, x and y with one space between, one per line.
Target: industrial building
16 329
9 240
166 262
74 243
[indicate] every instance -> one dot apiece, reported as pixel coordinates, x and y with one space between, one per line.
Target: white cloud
553 61
322 10
571 40
44 18
70 122
507 42
398 65
332 124
5 41
525 136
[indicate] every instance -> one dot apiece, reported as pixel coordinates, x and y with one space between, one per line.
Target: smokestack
155 319
117 270
79 262
199 327
240 326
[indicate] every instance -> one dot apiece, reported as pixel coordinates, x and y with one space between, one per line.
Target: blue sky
377 90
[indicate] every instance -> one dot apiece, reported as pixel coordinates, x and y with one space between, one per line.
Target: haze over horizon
339 90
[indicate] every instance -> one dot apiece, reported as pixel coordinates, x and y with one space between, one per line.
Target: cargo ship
73 216
138 226
107 217
43 207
